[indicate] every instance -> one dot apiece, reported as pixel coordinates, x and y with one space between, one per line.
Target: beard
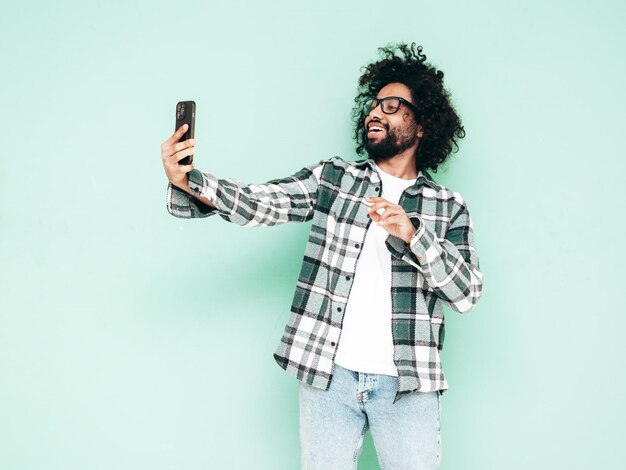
395 142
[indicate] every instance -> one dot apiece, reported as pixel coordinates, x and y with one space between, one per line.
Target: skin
393 218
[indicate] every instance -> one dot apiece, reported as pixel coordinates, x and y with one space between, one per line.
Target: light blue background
133 340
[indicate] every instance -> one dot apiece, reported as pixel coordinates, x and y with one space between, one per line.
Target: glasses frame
375 102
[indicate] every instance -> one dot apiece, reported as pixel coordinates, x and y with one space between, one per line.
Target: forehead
395 89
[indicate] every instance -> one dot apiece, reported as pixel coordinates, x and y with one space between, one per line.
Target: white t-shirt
366 342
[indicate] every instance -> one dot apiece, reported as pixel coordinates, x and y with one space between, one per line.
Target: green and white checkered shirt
438 267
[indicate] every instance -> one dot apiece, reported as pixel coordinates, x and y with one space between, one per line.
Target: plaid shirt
438 267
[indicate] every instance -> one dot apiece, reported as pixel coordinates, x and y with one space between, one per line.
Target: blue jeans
333 423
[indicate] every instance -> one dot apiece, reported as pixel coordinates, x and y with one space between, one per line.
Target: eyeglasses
391 104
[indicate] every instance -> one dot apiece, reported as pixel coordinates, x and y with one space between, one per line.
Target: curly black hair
406 64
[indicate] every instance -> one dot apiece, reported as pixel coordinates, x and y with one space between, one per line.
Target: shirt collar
423 177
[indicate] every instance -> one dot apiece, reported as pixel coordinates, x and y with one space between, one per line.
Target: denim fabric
333 423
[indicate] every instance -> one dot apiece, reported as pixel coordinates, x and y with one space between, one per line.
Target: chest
341 203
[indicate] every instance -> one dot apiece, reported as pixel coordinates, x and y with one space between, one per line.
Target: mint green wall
133 340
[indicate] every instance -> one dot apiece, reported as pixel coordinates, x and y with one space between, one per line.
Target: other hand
394 220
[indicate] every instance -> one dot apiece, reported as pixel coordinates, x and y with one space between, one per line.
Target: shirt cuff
180 204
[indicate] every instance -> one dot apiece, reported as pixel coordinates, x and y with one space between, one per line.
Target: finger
178 156
378 215
183 145
373 200
389 212
168 152
180 131
186 168
394 220
384 204
175 137
375 216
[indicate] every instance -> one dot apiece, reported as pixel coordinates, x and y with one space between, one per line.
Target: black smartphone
186 114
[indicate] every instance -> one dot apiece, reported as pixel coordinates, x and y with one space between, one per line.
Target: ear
420 131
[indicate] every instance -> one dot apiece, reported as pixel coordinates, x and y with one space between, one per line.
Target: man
388 248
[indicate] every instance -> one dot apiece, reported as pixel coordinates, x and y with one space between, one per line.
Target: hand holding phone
172 152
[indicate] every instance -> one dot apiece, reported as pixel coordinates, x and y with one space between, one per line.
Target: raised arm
192 193
277 201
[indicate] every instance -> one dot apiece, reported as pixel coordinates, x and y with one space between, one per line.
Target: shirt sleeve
277 201
450 265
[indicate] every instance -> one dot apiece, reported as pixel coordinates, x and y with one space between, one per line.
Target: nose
376 112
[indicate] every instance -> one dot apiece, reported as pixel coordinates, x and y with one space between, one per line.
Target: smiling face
389 135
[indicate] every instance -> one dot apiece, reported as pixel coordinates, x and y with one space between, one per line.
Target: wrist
408 237
183 184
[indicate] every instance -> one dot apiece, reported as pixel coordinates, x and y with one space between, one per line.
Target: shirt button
347 278
377 189
339 309
332 343
357 245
